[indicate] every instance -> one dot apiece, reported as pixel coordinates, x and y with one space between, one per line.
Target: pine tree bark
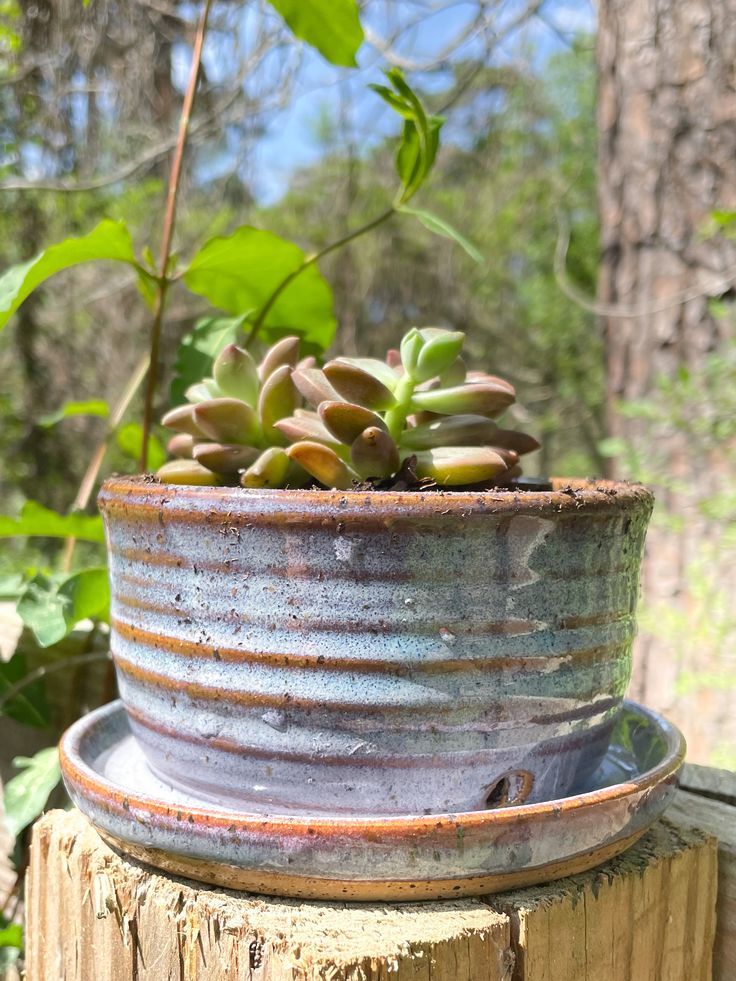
667 157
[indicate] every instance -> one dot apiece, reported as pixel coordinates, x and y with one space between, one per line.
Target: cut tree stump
93 915
717 817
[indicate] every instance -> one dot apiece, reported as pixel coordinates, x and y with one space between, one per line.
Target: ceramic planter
384 653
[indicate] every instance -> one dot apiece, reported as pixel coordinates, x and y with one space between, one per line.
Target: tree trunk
667 157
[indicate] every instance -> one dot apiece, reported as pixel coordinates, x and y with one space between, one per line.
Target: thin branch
86 486
41 672
168 232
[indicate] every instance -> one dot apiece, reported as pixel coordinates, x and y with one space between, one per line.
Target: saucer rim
82 778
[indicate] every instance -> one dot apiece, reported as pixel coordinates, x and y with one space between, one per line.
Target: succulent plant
417 418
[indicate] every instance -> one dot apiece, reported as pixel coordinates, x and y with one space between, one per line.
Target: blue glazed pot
379 652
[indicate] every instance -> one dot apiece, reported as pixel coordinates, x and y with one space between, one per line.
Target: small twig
168 230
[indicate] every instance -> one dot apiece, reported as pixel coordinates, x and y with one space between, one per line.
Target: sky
323 91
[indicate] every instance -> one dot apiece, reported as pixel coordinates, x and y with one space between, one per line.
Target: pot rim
586 495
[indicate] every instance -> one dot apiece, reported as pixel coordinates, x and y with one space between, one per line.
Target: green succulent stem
395 417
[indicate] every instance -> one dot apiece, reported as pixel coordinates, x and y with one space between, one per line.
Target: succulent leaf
459 430
357 385
481 398
181 446
276 401
346 421
305 425
323 464
236 374
202 391
453 466
268 470
313 386
439 350
374 453
283 353
379 369
510 439
455 374
227 420
187 472
224 457
182 420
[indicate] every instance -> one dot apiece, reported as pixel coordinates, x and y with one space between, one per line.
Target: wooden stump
708 802
95 916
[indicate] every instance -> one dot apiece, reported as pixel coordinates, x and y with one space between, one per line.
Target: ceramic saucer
371 858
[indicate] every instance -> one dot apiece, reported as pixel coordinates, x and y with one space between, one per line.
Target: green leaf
12 935
420 138
29 704
330 26
109 240
199 348
240 273
26 794
92 407
441 227
37 521
130 440
52 609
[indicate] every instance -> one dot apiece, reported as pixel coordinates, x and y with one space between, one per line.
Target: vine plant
262 286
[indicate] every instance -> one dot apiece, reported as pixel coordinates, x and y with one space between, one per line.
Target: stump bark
93 915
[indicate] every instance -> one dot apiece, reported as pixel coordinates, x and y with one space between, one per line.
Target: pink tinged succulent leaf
379 369
460 430
346 420
313 386
228 420
181 446
485 398
509 457
510 439
182 419
374 453
225 457
454 466
483 378
277 401
283 353
187 472
269 469
305 425
309 362
236 374
393 358
359 386
323 464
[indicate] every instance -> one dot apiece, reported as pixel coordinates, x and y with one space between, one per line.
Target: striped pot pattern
373 652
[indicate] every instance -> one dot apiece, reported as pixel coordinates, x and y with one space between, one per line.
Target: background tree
667 161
